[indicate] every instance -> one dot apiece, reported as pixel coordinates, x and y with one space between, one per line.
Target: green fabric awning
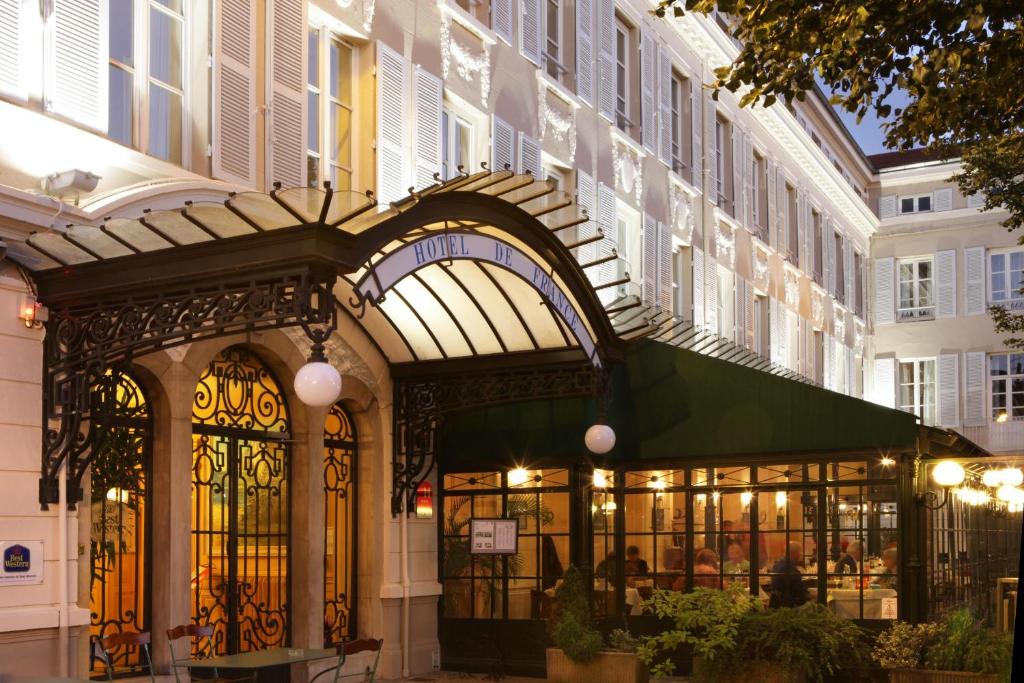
670 403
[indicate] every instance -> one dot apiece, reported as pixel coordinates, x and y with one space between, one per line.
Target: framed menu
493 536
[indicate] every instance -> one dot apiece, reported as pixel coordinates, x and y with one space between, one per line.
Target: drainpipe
62 572
406 588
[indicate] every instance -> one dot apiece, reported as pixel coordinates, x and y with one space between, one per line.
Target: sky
868 133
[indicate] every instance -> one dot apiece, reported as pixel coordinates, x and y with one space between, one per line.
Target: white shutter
945 284
976 200
10 48
529 155
665 261
665 104
648 92
530 36
502 141
775 330
949 390
501 18
710 120
607 220
771 190
288 92
234 93
942 200
748 185
606 58
974 400
784 340
799 250
748 314
739 198
974 270
710 294
427 94
392 95
885 382
739 308
649 237
885 294
781 204
697 133
586 198
77 80
584 50
829 370
887 206
848 297
830 250
851 373
698 287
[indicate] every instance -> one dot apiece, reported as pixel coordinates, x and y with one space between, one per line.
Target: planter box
761 672
607 667
927 676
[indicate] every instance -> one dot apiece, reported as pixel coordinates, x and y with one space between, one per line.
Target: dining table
268 666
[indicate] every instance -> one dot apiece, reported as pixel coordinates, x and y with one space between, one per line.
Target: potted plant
579 654
957 650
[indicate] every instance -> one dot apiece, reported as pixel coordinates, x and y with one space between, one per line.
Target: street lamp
318 383
948 474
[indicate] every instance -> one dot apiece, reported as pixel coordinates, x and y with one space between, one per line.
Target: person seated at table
705 569
635 565
737 562
788 589
889 569
606 568
849 563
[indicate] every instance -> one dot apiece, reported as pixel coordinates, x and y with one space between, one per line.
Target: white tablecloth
845 602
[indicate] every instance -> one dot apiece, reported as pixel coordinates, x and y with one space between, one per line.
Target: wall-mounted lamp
947 474
424 501
600 479
31 312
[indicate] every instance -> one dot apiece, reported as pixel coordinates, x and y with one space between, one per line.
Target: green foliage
621 640
707 620
903 645
572 629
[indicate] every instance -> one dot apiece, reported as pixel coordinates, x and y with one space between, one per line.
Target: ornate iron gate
240 507
339 518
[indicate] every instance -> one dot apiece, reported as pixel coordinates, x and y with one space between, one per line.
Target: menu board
493 536
888 608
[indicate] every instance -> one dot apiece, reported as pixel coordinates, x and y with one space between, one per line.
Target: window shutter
974 400
739 316
748 314
848 297
804 365
710 118
748 184
945 284
885 382
529 155
698 287
710 294
586 198
781 199
665 267
10 48
851 373
976 200
830 250
696 133
501 15
665 104
648 92
828 374
885 294
392 94
798 250
584 50
606 58
530 38
949 390
739 197
772 220
887 206
607 221
234 93
773 330
784 340
649 237
502 140
77 78
974 269
428 92
942 200
288 93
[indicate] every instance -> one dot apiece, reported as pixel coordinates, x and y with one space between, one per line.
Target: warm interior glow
518 477
780 499
609 506
948 473
656 482
992 478
886 461
1002 417
1010 494
1013 476
117 495
746 497
600 479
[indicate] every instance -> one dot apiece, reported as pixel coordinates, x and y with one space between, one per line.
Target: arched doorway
119 544
241 518
339 518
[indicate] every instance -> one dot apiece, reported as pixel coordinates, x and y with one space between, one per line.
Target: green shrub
571 625
903 645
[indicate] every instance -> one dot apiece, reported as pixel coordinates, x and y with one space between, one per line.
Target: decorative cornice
466 63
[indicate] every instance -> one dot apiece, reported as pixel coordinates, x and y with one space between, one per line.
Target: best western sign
21 562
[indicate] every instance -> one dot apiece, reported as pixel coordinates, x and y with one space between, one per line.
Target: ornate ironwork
420 405
241 521
83 340
339 517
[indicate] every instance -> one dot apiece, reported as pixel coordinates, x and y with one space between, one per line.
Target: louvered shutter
649 237
945 284
976 200
848 297
771 190
392 95
698 287
830 265
665 267
234 93
949 390
288 93
502 141
585 50
748 184
974 286
775 330
665 105
586 198
942 200
851 373
607 221
804 365
530 36
887 206
885 382
828 371
781 203
885 294
10 48
748 314
798 250
710 121
648 92
739 197
696 133
77 80
710 294
427 94
739 316
529 155
606 58
784 340
974 398
501 18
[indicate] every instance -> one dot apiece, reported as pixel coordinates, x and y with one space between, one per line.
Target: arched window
241 518
340 521
119 534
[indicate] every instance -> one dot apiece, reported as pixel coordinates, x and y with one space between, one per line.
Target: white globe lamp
318 383
600 438
1013 476
948 474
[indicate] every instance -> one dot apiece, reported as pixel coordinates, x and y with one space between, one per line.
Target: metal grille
339 516
240 514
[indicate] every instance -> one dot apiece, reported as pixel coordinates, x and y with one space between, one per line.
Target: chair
108 645
205 650
351 648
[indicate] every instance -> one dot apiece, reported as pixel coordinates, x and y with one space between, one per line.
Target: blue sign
17 558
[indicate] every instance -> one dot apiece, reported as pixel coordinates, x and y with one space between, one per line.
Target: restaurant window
623 68
1006 378
916 300
456 144
1007 278
654 536
916 204
680 125
917 388
604 516
339 479
329 110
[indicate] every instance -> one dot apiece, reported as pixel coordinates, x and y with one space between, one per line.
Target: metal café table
268 665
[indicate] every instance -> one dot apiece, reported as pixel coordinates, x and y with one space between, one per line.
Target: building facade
752 227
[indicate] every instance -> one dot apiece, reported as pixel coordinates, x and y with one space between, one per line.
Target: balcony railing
998 437
916 313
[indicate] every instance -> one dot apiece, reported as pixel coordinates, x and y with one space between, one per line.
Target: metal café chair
108 645
204 634
351 648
